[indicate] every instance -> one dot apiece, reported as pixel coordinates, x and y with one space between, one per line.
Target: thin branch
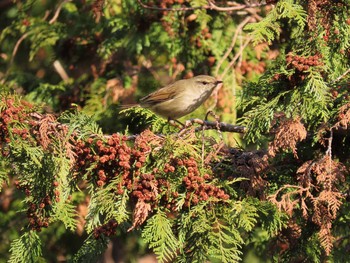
210 6
221 76
60 70
232 8
15 49
214 125
341 76
233 43
25 35
180 9
330 140
237 56
58 10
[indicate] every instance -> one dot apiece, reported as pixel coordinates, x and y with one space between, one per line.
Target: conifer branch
205 125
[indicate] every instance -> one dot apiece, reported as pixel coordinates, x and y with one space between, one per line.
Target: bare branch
210 6
232 8
221 76
214 125
60 70
341 76
180 9
15 49
25 35
233 42
58 10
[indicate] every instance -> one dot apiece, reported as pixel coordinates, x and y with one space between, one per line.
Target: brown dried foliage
20 124
316 194
287 135
142 209
343 117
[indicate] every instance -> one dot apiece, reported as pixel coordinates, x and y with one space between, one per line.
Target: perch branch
204 125
214 125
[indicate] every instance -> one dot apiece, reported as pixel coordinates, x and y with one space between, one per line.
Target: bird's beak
218 82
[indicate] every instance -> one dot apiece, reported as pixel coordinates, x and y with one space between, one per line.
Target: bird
180 97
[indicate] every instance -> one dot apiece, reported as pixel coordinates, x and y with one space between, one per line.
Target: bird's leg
217 119
176 123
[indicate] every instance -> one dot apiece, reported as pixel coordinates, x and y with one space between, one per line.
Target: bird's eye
205 82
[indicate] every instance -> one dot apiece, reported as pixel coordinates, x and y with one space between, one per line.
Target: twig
329 151
221 76
60 70
15 49
330 140
233 8
341 76
180 9
147 63
214 125
233 43
210 6
58 10
25 35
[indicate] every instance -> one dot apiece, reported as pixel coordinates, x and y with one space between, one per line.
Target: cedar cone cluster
36 213
12 114
36 216
17 112
146 188
111 159
108 229
196 188
115 158
303 63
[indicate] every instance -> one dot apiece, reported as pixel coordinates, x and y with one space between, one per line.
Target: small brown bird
181 97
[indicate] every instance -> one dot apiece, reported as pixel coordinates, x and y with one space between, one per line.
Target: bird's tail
128 106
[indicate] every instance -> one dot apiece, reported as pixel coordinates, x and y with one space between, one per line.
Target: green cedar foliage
188 196
27 248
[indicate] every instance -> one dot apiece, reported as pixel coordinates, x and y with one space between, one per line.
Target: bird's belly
180 106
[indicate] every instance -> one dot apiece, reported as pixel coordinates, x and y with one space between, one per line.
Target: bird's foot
212 113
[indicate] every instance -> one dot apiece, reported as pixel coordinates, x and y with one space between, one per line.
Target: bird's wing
163 94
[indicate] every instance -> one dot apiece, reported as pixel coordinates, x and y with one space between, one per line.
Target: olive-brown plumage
181 97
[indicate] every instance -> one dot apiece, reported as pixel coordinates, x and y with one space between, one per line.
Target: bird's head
205 82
